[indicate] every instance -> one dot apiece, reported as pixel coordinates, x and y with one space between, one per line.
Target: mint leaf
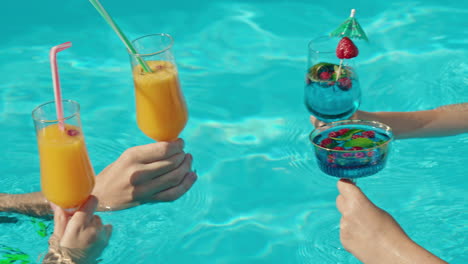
360 142
380 142
331 145
348 135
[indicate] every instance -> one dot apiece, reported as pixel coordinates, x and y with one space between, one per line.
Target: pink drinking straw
56 80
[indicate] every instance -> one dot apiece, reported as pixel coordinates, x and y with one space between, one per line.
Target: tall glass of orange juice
161 111
67 176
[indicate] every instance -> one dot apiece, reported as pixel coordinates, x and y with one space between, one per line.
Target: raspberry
359 155
72 132
334 134
343 131
346 49
325 76
357 136
356 148
338 148
346 155
369 134
345 83
326 142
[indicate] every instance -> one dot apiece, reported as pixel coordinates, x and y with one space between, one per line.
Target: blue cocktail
352 148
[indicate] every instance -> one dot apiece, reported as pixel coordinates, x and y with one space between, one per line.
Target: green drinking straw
119 32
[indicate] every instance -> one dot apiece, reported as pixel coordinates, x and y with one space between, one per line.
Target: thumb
348 188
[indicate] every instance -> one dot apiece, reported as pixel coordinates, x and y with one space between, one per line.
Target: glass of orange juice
160 106
67 176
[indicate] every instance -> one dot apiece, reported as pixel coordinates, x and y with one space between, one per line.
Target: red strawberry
356 148
356 136
346 49
338 148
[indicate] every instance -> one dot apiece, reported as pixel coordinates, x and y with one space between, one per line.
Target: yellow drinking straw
119 32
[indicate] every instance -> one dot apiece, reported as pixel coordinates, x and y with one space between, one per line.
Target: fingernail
53 206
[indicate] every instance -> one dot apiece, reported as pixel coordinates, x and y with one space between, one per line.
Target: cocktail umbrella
350 28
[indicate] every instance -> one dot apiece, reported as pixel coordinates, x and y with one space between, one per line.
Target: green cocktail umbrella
350 28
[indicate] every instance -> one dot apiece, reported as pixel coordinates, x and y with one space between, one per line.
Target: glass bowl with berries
332 91
352 148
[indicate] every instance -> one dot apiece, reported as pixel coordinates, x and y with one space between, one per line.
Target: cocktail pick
350 28
345 50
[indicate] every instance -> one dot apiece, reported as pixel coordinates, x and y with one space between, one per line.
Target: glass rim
336 123
55 120
168 47
314 50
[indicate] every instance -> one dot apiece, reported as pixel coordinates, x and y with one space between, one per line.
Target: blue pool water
260 197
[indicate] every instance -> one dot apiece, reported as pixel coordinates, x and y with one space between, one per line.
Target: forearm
443 121
411 253
33 204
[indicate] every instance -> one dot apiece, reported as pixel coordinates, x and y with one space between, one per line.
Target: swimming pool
260 197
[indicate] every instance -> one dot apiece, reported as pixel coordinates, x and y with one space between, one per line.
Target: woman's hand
157 172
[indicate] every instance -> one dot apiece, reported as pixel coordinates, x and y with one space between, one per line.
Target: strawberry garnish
346 49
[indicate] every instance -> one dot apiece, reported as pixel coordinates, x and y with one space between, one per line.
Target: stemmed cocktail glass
160 106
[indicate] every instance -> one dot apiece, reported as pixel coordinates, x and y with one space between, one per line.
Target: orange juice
67 177
160 105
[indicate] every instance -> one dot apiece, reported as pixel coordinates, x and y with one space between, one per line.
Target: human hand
157 172
366 231
80 237
318 123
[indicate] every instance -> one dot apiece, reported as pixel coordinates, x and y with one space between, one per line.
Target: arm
372 235
33 204
443 121
158 172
